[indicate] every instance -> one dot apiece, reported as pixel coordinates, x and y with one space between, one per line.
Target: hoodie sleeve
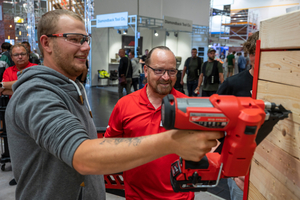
42 114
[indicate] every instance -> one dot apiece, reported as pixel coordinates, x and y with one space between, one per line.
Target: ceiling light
155 33
176 34
119 31
125 31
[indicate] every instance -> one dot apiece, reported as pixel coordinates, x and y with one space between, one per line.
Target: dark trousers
127 87
191 86
208 93
135 82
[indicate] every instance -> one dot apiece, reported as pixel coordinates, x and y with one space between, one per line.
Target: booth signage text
112 20
175 24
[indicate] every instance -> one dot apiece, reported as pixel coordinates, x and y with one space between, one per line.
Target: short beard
211 59
156 89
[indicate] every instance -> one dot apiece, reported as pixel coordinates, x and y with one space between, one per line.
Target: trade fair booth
111 32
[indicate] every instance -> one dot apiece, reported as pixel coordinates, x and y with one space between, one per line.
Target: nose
166 75
85 46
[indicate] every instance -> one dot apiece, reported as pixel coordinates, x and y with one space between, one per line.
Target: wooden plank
269 187
281 32
286 135
283 166
286 95
281 67
254 193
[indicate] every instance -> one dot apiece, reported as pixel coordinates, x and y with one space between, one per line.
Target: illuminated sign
112 20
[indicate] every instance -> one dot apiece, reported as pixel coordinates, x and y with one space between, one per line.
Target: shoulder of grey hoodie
45 106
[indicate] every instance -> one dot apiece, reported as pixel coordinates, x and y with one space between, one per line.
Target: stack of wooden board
275 169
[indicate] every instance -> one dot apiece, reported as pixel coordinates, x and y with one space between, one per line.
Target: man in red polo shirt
20 56
139 114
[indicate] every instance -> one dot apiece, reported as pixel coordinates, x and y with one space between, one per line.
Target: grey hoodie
45 125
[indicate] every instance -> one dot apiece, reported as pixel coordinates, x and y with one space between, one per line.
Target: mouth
83 57
165 84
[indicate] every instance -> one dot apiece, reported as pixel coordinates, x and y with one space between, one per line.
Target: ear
45 42
146 71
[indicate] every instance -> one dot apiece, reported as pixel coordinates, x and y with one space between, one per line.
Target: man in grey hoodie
52 138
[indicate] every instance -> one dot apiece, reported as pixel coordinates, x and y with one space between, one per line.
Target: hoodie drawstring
80 96
87 102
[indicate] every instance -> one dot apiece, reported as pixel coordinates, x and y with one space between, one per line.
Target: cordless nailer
239 117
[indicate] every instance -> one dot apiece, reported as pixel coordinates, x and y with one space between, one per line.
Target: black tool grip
202 164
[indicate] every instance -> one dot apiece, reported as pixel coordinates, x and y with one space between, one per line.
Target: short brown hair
18 45
147 62
250 45
48 23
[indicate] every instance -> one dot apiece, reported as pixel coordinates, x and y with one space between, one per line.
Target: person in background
143 58
236 67
192 67
135 70
20 57
33 58
247 61
231 63
5 55
125 70
240 85
212 73
222 56
241 63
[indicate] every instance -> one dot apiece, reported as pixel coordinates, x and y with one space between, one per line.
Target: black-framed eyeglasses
161 72
74 38
19 54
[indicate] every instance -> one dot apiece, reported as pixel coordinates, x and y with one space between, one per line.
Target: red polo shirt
10 74
134 116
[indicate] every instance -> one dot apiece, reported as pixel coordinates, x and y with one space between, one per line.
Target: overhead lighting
176 34
119 31
167 33
8 37
125 31
16 38
155 33
10 26
20 33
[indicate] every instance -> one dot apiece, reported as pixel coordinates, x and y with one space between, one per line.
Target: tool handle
202 164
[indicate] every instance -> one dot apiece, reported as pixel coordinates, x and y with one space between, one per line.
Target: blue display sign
112 20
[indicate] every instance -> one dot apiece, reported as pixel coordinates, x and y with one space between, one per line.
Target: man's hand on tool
193 145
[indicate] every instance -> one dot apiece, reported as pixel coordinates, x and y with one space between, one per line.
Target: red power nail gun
239 117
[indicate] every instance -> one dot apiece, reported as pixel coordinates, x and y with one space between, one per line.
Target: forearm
7 92
8 85
221 77
183 73
200 80
118 154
